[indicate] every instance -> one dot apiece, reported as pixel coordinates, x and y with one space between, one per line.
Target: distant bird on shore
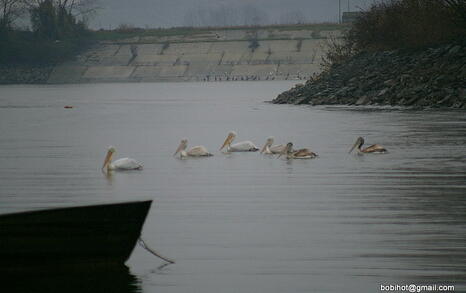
123 164
269 149
196 151
375 148
244 146
297 154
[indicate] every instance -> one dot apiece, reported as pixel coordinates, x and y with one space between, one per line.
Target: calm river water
245 222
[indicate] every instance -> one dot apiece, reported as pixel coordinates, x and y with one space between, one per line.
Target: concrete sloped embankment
213 56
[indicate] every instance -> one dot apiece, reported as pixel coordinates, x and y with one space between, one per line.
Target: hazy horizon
162 13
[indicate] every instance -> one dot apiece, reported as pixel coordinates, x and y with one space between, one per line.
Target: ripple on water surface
245 222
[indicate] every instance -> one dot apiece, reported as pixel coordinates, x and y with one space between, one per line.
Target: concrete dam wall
211 56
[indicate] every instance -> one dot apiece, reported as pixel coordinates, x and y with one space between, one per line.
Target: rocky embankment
429 78
25 74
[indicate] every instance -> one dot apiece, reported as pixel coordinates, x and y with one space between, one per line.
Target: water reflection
243 222
108 176
116 280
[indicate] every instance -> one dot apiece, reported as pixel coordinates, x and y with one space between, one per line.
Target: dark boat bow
77 236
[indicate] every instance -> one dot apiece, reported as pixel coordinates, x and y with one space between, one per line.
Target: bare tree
77 8
60 19
10 10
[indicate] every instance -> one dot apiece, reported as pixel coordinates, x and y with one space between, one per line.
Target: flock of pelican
245 146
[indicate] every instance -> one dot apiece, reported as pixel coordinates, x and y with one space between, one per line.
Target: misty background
164 13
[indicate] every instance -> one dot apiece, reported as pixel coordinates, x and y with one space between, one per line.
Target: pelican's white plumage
125 164
122 164
196 151
244 146
269 149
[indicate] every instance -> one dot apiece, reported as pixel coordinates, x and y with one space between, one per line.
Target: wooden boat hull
77 236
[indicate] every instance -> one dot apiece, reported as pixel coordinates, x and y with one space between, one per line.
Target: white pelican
244 146
375 148
197 151
269 149
120 164
298 154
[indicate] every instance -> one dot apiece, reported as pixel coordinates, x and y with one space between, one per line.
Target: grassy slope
105 35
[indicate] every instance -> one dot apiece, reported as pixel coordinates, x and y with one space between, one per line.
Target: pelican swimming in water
297 154
120 164
197 151
269 149
374 149
244 146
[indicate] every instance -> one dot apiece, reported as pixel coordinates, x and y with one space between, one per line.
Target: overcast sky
169 13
